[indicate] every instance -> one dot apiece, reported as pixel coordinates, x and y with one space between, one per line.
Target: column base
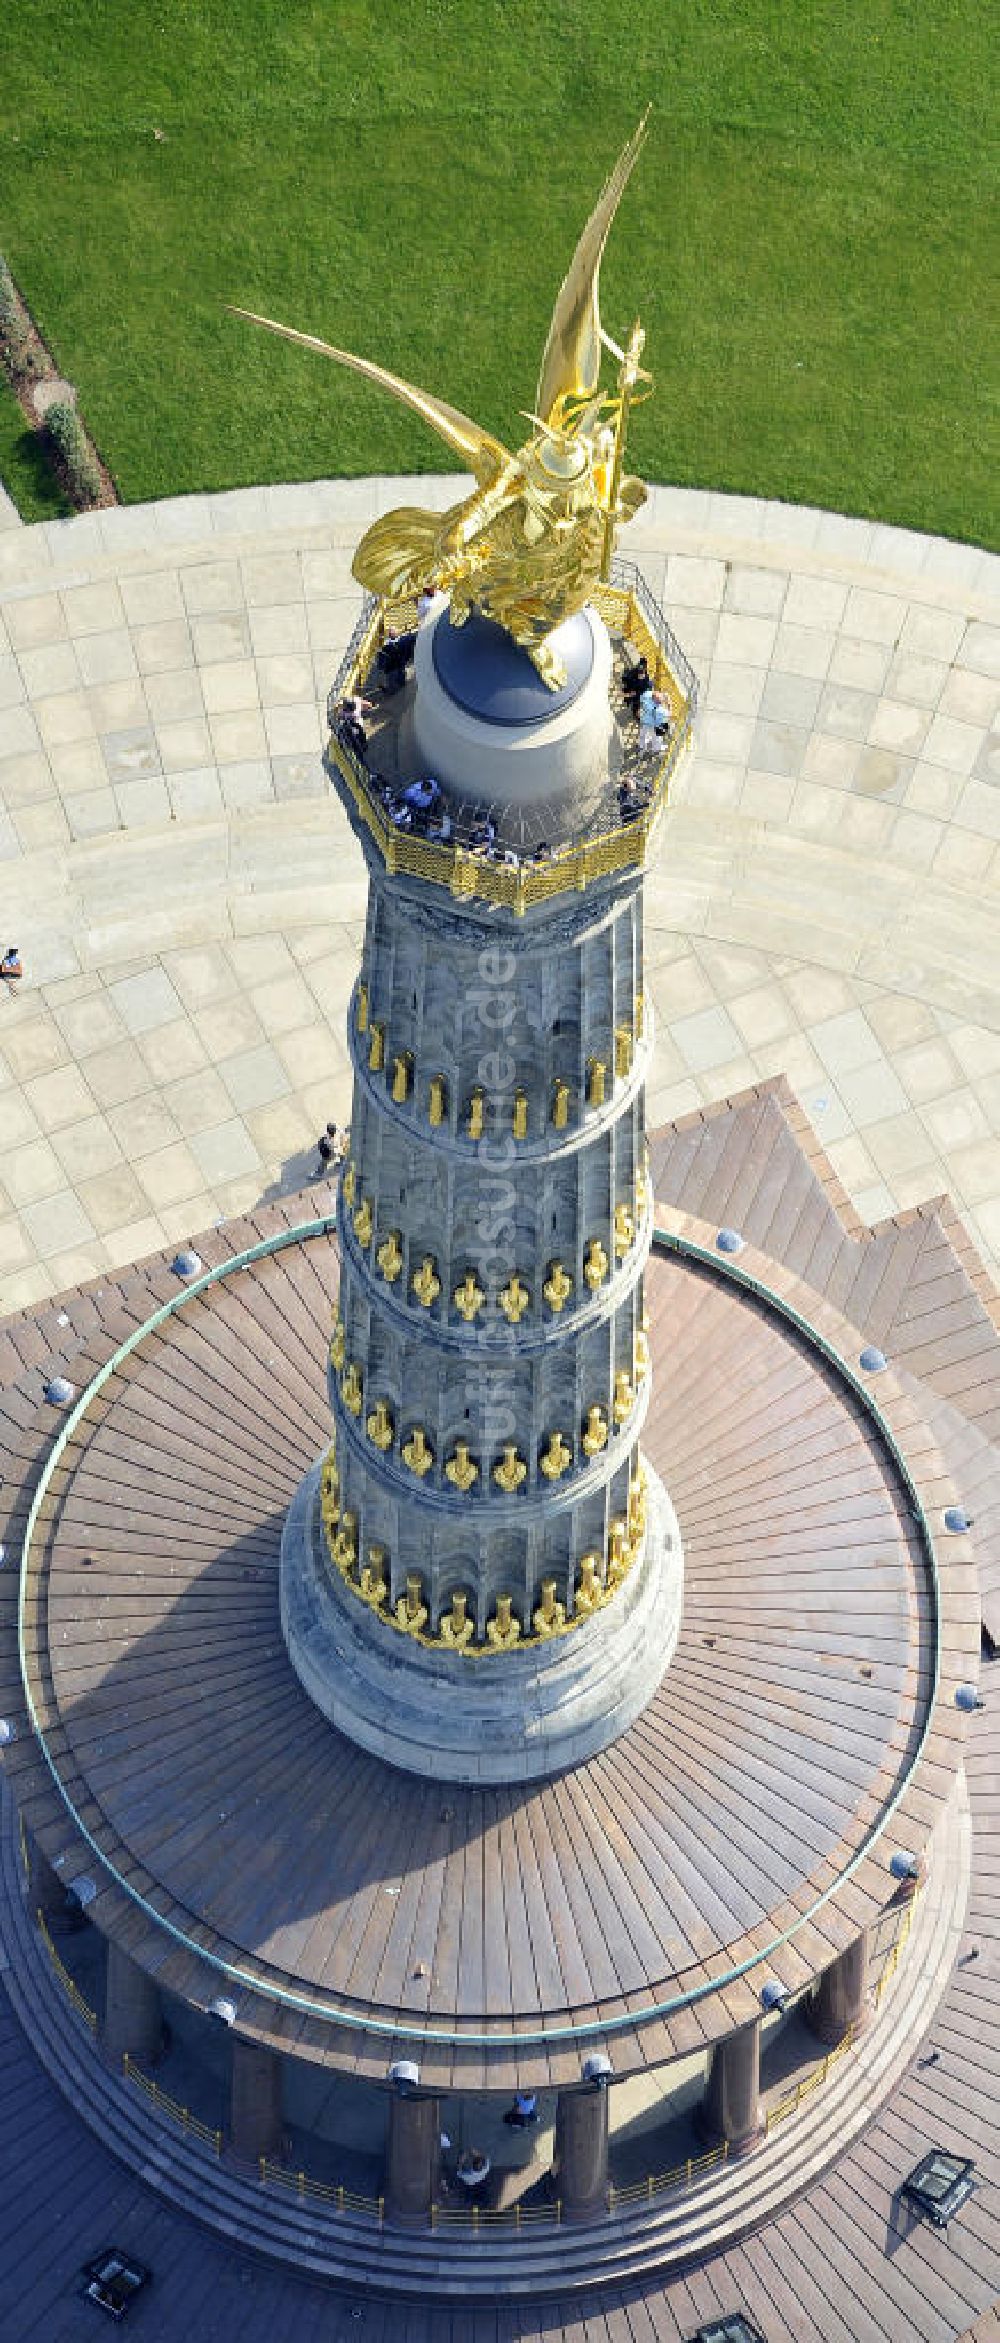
711 2137
841 2003
829 2033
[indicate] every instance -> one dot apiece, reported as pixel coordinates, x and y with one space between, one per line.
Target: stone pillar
841 1998
133 2019
46 1892
581 2158
731 2106
255 2105
413 2156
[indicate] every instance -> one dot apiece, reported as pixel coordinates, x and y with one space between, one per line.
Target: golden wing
480 452
571 361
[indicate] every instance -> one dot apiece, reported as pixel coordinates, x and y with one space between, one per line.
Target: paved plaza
189 899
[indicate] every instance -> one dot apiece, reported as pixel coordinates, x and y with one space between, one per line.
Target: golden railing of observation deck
632 617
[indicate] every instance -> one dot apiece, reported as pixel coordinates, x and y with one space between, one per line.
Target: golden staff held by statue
530 544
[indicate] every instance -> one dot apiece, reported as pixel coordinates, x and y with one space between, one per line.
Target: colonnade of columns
730 2112
132 2025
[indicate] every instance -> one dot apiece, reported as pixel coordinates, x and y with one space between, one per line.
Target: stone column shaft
133 2018
255 2109
731 2107
841 2000
581 2159
413 2156
46 1892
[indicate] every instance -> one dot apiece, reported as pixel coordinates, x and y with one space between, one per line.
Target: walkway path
188 897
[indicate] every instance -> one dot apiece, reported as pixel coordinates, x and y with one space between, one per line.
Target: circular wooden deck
515 1925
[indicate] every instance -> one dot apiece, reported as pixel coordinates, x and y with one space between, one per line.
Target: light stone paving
189 899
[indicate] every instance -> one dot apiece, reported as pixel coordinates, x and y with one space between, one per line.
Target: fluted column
494 1228
484 1491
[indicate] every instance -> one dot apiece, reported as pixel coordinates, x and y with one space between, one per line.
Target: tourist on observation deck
394 657
654 722
635 680
422 796
472 2170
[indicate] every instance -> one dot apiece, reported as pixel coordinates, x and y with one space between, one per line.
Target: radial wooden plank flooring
377 1944
968 2007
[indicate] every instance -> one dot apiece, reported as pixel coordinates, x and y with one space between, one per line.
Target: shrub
69 439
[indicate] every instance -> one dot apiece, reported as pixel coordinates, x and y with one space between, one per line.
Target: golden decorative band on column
404 1070
594 1581
470 1296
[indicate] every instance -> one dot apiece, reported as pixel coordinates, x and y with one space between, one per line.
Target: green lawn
806 236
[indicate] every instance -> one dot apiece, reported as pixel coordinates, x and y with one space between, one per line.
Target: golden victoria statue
532 541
